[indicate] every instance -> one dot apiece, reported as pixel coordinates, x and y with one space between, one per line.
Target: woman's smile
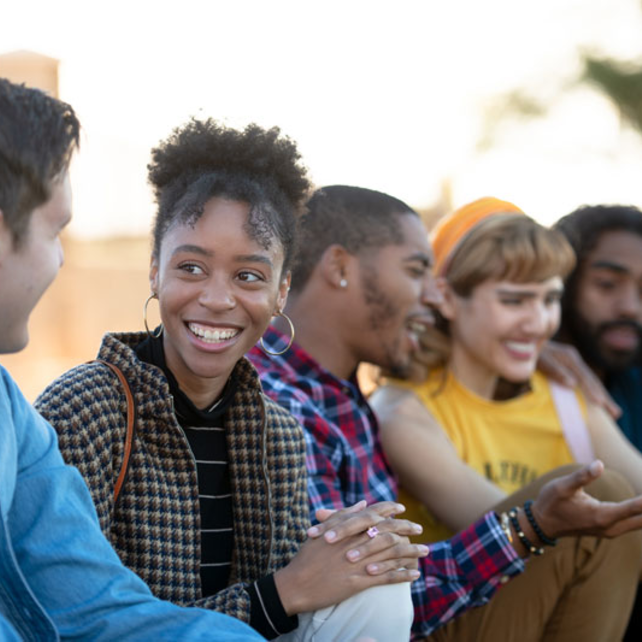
218 288
213 336
500 329
522 350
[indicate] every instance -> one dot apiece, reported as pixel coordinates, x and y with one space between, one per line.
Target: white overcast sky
388 95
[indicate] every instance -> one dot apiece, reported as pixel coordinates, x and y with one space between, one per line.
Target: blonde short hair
508 247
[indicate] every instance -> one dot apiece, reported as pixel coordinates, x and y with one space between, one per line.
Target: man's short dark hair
38 135
353 217
583 228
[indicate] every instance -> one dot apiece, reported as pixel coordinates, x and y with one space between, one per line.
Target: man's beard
587 339
382 314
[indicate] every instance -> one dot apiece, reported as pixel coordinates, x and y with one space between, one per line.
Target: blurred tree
621 82
618 80
519 103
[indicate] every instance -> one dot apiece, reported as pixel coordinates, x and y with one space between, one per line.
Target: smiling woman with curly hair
213 510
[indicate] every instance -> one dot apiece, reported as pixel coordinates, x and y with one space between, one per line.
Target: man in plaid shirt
362 290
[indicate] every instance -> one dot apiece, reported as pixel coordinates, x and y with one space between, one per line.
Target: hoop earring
290 342
153 335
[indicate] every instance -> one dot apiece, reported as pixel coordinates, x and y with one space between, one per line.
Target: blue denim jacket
59 577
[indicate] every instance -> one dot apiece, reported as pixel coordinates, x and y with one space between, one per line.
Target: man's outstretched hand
563 508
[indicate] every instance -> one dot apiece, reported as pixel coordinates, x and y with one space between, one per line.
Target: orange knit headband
451 229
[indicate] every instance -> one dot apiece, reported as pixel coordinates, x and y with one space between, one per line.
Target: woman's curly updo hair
204 159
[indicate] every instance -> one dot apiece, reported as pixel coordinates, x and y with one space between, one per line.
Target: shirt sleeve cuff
267 615
493 557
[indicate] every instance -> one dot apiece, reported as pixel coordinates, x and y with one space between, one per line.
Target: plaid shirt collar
299 364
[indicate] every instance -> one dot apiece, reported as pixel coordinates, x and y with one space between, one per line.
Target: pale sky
379 94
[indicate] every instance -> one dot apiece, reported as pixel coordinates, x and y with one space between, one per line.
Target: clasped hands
340 558
385 549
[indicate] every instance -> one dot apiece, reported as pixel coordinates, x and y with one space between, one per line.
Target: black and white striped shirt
217 537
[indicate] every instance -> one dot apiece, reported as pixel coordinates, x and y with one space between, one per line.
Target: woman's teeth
522 348
212 335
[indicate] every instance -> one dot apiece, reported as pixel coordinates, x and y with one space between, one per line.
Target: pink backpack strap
573 424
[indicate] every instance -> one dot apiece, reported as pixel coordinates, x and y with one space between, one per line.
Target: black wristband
528 545
267 615
545 539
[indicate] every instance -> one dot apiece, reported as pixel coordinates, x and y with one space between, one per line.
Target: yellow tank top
511 443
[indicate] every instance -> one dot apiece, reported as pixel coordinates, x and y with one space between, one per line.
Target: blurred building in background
31 68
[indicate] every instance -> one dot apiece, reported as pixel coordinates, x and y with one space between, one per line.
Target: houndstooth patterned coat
155 525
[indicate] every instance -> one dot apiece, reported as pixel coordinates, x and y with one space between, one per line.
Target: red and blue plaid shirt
346 464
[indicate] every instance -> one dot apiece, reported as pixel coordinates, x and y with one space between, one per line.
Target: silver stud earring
343 283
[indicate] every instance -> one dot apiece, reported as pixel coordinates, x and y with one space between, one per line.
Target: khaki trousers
582 589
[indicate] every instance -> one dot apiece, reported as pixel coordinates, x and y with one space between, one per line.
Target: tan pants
582 589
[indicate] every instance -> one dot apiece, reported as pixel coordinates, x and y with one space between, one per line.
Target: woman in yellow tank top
456 448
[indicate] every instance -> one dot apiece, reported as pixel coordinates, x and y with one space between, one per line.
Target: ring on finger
372 532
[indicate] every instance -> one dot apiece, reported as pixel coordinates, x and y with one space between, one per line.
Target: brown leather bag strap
131 421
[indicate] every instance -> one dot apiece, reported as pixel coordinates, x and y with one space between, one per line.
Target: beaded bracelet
548 541
528 545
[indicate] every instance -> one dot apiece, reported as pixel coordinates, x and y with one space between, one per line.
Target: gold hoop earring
290 342
153 335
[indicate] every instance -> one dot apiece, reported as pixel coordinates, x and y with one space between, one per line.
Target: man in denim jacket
59 577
